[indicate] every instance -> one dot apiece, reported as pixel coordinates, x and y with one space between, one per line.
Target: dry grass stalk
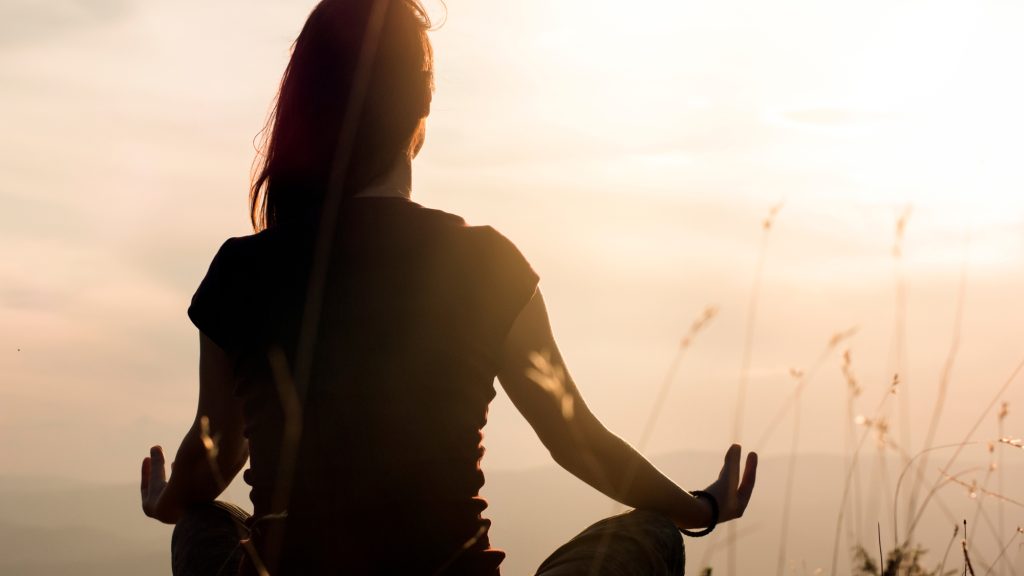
834 341
853 391
699 325
1002 553
291 407
968 567
551 379
210 446
1004 411
848 480
696 327
1015 442
881 555
974 489
790 475
991 448
899 324
330 215
901 231
748 350
942 566
903 473
212 451
945 469
947 371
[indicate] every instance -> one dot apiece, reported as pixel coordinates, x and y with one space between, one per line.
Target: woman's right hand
733 494
154 485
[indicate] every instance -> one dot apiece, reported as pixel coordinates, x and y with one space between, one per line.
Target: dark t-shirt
415 311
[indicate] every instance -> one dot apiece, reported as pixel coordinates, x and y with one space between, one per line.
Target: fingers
731 468
147 467
158 471
746 488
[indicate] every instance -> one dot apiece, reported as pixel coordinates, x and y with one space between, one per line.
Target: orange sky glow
632 154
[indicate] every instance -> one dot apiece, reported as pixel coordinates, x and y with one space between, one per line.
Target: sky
631 151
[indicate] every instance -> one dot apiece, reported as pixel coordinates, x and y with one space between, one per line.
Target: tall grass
900 324
748 349
947 370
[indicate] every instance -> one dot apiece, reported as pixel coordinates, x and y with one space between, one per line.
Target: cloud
28 21
831 117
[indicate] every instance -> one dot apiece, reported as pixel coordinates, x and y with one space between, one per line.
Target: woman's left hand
154 483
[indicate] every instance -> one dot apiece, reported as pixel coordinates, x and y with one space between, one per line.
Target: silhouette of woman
348 350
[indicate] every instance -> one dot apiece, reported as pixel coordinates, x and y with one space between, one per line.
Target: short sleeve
510 281
216 308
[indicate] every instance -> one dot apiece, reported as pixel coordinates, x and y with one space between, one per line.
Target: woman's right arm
582 445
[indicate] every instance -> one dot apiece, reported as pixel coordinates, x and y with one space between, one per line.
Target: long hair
291 172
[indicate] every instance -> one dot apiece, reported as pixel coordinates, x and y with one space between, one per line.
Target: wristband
714 515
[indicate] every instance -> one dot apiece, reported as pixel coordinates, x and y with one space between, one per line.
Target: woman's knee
206 535
637 542
658 529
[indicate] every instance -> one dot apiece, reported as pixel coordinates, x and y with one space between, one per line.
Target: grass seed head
552 379
769 220
852 387
1015 442
901 229
894 386
698 325
839 337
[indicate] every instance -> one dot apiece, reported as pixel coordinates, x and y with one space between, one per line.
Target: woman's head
318 100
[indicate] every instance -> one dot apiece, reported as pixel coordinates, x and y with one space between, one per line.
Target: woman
348 349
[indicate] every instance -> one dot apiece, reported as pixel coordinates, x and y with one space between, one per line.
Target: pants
637 543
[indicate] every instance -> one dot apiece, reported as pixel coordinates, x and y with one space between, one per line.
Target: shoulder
493 243
242 252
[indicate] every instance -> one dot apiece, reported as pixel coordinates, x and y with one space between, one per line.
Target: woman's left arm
200 471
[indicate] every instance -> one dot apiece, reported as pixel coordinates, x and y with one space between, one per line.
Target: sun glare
915 106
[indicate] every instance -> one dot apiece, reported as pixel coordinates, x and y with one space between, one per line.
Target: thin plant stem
949 546
900 325
698 326
553 379
329 217
881 556
748 350
849 433
974 428
1002 552
788 497
883 476
788 404
992 528
212 451
947 370
906 468
955 479
978 499
1004 410
968 567
291 408
846 486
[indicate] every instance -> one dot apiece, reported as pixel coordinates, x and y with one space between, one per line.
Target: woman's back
416 309
376 469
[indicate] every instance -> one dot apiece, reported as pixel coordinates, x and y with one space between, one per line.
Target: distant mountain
55 526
